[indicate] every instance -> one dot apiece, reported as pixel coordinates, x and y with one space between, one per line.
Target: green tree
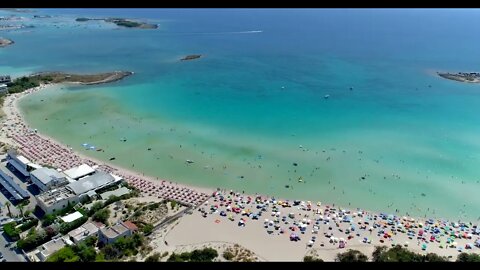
155 257
12 231
20 207
400 254
95 207
198 255
466 257
65 254
432 257
86 253
351 256
311 259
48 219
173 204
147 229
102 216
227 255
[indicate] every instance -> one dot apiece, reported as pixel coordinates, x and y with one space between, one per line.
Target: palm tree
7 204
20 207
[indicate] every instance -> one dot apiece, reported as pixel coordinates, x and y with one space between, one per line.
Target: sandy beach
274 230
45 150
358 229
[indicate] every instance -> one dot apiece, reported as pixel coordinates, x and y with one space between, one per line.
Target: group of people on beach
326 226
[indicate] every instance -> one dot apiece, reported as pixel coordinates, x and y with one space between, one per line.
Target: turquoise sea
252 113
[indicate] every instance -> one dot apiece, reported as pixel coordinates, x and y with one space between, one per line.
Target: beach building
4 79
44 251
13 188
56 199
113 233
89 184
79 171
46 178
3 88
86 230
74 192
21 163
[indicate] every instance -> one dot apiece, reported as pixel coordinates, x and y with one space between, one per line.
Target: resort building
113 233
73 193
79 171
86 230
21 163
56 199
44 251
88 185
46 178
13 188
5 79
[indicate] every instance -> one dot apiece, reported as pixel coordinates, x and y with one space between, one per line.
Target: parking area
24 183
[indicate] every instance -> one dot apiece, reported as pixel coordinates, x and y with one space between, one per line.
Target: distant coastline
35 80
86 79
468 77
121 22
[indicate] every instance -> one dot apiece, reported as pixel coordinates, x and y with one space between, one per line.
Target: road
10 255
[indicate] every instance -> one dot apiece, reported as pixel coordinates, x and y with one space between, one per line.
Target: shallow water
255 103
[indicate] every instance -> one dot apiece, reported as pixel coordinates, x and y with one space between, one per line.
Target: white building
21 163
44 251
86 230
5 79
111 234
56 199
46 178
74 192
79 171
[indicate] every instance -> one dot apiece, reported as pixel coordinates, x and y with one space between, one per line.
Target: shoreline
13 113
265 245
154 179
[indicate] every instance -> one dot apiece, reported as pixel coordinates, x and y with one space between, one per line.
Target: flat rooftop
79 171
55 195
93 182
47 175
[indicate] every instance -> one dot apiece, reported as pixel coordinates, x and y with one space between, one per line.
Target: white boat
189 161
326 96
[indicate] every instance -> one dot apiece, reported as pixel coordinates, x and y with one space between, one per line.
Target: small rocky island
5 42
122 22
191 57
469 77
